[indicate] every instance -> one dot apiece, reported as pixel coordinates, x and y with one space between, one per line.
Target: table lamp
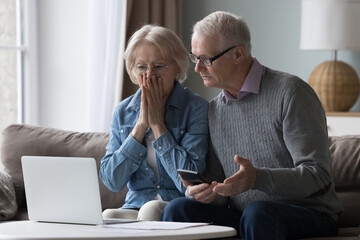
332 25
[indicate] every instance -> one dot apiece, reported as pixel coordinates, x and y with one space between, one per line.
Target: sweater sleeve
306 139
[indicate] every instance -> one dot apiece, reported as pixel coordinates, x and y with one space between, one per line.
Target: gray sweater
282 131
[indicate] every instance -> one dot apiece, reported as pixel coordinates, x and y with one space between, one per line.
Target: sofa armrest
345 161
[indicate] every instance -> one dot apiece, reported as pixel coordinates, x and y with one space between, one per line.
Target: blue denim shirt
185 145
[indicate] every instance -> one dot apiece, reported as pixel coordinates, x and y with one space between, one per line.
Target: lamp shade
330 24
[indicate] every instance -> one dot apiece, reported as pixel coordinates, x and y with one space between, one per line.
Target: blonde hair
231 30
169 44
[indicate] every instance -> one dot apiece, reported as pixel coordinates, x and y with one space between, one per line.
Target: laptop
63 190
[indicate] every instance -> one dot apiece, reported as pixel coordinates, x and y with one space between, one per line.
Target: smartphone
192 176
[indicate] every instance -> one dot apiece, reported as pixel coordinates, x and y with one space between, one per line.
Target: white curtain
107 42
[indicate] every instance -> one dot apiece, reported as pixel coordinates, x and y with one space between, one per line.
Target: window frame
26 63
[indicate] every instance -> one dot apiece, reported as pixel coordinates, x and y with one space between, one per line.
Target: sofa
21 139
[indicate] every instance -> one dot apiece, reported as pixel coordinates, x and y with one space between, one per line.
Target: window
11 59
18 68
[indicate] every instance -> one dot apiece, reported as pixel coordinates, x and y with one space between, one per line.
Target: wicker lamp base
336 84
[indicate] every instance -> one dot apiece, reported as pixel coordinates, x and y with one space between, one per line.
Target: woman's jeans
259 220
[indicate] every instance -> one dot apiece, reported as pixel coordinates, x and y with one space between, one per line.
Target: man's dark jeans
260 220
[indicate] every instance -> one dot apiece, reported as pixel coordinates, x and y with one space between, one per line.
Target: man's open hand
241 181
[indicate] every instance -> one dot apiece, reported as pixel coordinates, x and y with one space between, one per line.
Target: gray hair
231 30
169 44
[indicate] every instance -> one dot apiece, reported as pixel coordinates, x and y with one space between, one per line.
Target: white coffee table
39 230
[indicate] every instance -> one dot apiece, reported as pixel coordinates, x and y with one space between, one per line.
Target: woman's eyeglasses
158 69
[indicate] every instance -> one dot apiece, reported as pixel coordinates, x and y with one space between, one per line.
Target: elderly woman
161 128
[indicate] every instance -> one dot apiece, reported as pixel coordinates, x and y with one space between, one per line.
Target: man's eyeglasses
158 69
207 61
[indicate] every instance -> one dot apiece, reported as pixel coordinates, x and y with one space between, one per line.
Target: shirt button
182 132
158 186
140 154
122 130
147 169
160 147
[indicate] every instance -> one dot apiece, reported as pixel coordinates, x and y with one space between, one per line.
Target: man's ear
239 53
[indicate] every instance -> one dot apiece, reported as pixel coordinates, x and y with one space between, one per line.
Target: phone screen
192 176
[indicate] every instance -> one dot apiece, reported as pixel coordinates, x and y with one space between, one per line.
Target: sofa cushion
345 159
19 140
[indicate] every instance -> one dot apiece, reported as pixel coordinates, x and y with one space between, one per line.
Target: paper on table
155 225
103 229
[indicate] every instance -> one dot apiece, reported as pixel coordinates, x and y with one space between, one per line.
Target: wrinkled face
219 74
149 60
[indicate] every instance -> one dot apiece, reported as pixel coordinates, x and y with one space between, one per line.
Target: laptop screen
62 189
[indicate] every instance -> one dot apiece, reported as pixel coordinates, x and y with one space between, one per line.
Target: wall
63 63
63 51
275 30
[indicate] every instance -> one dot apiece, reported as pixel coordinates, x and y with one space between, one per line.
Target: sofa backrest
19 140
345 160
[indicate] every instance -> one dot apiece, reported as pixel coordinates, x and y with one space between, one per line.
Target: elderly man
268 131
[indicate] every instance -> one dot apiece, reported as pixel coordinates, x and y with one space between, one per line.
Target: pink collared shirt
251 83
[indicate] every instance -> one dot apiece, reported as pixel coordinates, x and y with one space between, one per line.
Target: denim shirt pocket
177 133
124 132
